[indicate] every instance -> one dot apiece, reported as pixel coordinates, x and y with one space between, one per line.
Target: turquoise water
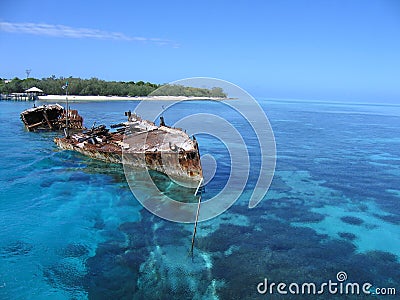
71 228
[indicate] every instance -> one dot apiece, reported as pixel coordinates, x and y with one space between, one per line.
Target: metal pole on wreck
197 218
66 130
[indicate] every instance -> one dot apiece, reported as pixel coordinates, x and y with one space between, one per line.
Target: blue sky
330 50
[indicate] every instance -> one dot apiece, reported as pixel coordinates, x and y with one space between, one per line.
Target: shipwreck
140 143
51 117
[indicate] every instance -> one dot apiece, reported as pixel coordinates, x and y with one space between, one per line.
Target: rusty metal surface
50 117
141 143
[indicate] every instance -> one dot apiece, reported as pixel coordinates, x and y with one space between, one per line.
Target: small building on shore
33 93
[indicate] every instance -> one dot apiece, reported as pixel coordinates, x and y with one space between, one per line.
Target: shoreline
62 98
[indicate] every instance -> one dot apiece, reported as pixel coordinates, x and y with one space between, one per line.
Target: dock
17 97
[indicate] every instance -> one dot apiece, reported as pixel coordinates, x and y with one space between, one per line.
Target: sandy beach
62 98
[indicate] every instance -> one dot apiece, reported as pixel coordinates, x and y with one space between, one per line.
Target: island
94 89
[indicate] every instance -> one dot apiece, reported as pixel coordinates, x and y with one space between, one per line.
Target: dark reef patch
112 273
171 235
80 176
49 181
241 281
98 222
108 276
279 185
351 220
280 252
115 236
223 238
15 248
290 209
64 275
136 240
75 250
347 236
377 267
394 219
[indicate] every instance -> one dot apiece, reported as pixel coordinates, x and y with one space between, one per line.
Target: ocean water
72 229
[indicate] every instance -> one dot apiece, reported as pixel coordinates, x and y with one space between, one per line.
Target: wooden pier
18 97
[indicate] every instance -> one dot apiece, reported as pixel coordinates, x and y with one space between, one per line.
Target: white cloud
70 32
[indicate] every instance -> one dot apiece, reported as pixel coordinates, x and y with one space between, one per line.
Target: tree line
95 87
78 86
180 90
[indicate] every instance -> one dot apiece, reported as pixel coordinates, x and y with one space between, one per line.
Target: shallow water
71 228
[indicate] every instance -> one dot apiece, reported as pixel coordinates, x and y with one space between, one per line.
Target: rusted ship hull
178 166
105 154
51 117
141 144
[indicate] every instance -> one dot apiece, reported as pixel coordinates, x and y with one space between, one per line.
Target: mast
197 218
66 131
